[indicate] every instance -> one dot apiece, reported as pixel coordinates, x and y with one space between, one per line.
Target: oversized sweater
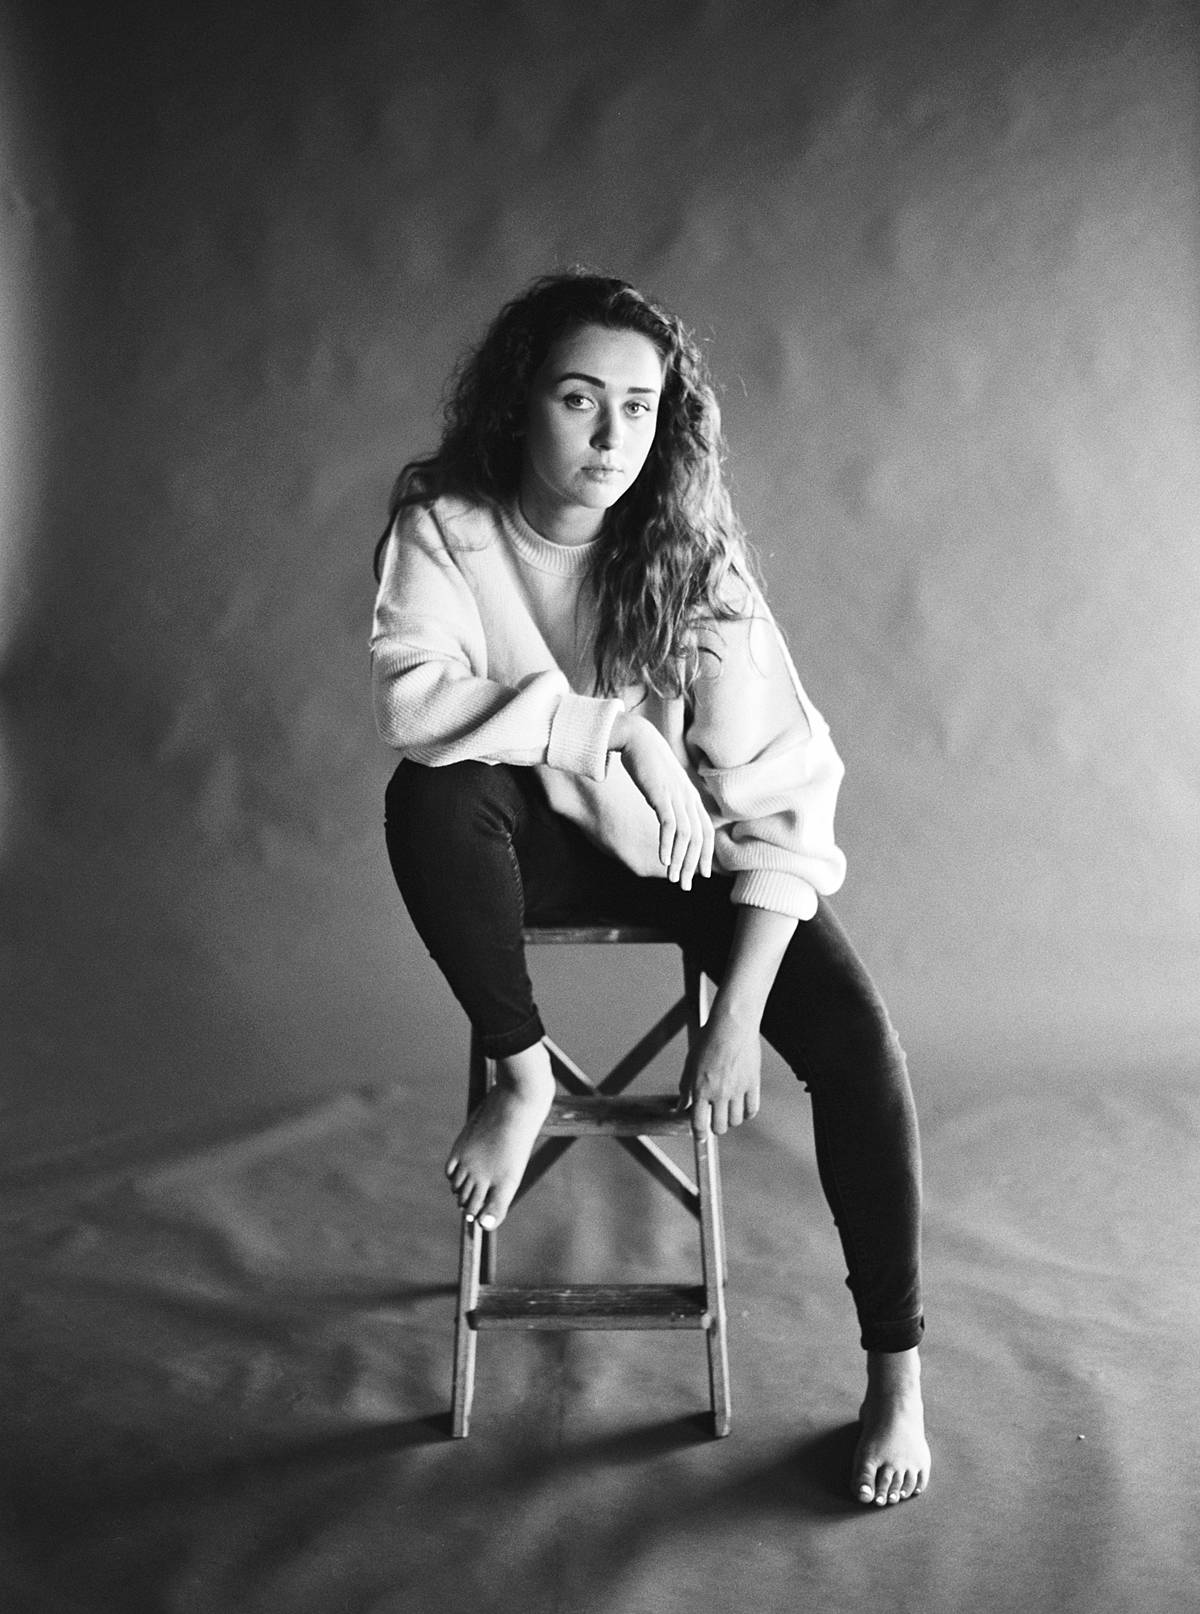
482 649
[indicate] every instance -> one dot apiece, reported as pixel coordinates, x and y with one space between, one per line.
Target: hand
685 842
722 1077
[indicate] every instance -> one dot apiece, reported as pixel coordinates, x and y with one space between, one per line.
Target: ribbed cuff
504 1044
892 1337
579 734
781 893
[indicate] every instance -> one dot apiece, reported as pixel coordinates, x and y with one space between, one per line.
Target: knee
860 1022
848 1039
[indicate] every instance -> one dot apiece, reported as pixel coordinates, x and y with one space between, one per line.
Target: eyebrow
595 381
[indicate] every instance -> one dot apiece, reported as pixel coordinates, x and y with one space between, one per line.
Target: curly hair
673 543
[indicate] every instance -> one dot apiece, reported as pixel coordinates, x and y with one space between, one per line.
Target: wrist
738 1008
618 737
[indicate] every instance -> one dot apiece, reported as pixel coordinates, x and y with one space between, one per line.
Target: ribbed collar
564 560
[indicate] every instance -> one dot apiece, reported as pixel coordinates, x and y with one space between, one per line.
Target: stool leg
712 1246
464 1335
718 1194
475 1251
479 1079
699 1001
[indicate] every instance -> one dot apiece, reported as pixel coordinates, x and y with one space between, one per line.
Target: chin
595 498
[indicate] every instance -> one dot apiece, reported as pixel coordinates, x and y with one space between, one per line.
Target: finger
720 1117
685 1088
708 836
678 849
694 852
683 837
666 834
701 1116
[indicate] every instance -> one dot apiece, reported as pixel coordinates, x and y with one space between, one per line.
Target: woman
596 712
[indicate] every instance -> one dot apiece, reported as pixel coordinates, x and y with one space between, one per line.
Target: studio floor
225 1378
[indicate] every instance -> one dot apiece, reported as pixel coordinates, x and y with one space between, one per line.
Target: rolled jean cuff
503 1044
892 1337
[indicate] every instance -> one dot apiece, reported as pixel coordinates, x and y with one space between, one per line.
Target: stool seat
603 1109
595 933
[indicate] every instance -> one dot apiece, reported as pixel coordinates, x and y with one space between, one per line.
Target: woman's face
592 412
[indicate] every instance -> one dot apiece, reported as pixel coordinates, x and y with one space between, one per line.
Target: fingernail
487 1223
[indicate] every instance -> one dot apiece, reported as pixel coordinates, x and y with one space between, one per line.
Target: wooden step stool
584 1108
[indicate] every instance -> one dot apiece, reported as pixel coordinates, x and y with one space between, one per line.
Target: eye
577 401
637 406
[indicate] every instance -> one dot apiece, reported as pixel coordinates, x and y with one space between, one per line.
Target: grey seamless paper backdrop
944 263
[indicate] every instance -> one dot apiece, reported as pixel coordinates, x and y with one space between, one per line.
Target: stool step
591 1305
653 1116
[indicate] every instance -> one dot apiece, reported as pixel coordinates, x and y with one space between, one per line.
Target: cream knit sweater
482 649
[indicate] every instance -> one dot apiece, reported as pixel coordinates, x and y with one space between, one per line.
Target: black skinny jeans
477 852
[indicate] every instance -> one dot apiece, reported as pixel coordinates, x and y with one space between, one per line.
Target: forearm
434 710
760 940
721 1079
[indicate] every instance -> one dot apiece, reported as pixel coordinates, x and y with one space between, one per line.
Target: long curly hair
674 546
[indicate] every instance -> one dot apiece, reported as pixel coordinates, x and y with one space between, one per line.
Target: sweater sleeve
434 702
764 754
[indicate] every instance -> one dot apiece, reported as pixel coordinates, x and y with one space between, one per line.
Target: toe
471 1196
492 1210
883 1484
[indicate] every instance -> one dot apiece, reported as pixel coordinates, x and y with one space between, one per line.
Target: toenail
487 1222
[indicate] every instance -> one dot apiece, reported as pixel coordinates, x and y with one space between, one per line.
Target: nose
606 432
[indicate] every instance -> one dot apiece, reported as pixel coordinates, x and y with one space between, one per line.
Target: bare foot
491 1152
892 1461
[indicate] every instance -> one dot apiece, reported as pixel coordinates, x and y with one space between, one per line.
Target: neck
561 524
